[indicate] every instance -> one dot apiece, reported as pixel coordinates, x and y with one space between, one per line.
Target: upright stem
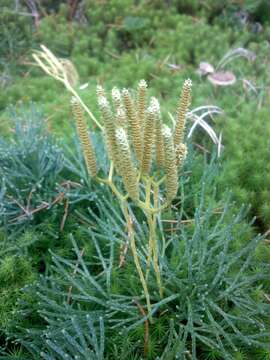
152 222
148 216
151 209
136 258
155 242
111 171
153 246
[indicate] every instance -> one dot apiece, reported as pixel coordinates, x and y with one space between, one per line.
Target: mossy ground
117 43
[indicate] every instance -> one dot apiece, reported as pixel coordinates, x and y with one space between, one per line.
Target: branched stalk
52 66
152 224
136 258
151 213
132 134
123 201
110 183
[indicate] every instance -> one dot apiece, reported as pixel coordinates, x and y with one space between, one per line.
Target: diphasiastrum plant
145 155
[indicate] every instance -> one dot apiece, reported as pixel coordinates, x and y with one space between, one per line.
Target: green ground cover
56 261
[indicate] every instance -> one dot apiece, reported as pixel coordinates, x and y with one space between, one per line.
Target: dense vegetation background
48 205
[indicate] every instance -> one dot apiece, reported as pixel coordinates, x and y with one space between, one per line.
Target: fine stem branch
131 236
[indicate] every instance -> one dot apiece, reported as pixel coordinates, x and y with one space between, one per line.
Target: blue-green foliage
30 163
213 266
33 173
209 304
81 341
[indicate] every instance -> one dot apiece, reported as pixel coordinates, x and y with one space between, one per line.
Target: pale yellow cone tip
154 104
116 95
142 84
103 102
188 83
166 131
125 91
150 110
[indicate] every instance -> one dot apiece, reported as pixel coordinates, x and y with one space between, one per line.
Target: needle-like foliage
80 341
209 286
30 163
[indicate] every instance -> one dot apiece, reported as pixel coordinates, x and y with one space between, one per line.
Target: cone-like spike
127 168
181 153
159 144
170 163
136 134
182 112
120 114
121 119
155 104
109 127
141 102
85 140
116 96
149 135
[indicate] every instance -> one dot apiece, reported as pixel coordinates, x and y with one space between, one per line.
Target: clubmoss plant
210 308
133 132
131 157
